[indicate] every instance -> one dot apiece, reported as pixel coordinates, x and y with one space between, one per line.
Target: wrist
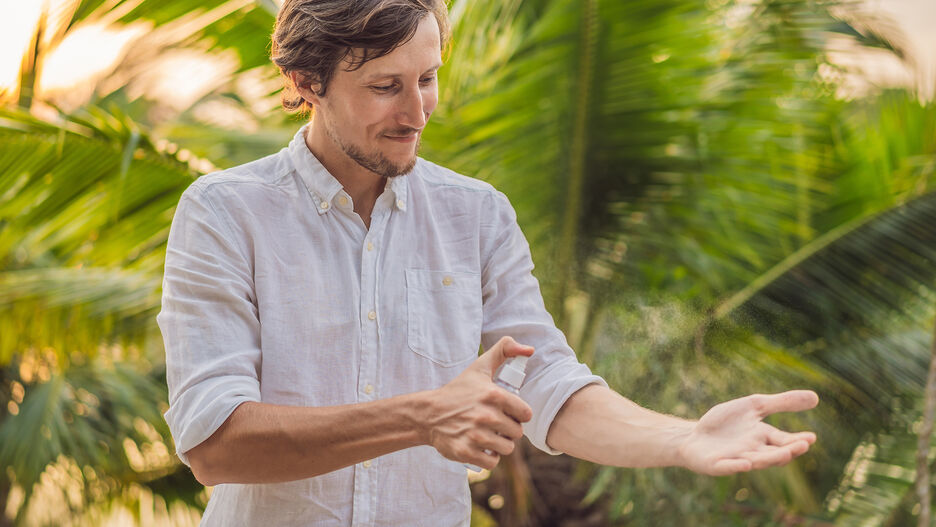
419 415
679 442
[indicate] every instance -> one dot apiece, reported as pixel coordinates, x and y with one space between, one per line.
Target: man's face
375 114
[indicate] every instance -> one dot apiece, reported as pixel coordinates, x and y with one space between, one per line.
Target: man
323 307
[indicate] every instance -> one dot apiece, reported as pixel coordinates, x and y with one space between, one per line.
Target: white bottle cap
513 371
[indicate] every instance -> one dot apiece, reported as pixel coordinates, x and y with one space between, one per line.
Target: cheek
430 100
372 108
366 115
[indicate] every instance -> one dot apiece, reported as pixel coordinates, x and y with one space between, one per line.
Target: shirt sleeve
209 323
513 306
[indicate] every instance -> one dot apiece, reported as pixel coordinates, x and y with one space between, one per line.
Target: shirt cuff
546 396
198 413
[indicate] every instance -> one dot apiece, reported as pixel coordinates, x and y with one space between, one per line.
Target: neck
361 184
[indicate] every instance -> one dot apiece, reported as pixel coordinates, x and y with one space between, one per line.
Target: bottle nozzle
513 371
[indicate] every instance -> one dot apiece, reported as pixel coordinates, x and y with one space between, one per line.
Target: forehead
420 53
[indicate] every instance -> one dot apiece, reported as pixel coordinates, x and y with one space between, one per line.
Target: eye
383 88
427 80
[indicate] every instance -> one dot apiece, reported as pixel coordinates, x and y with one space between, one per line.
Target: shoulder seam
229 235
427 177
234 171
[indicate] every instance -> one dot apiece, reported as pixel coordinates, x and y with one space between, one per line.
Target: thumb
492 359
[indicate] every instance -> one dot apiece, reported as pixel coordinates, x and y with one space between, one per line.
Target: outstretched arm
599 425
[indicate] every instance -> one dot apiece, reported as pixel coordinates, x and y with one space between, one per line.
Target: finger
508 427
480 458
772 456
516 408
780 438
505 348
791 401
798 448
725 467
495 443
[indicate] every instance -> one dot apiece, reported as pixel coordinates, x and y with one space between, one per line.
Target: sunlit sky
916 20
93 50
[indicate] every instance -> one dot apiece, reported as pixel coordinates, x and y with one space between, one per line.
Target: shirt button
399 203
343 201
370 246
324 205
367 464
447 280
372 315
369 388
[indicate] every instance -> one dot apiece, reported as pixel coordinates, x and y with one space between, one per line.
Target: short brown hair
312 37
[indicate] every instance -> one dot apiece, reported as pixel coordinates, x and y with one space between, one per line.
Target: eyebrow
382 75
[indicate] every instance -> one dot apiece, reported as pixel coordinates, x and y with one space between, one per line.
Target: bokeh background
722 197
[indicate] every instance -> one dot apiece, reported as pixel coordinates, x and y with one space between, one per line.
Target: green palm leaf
240 25
711 152
101 418
86 213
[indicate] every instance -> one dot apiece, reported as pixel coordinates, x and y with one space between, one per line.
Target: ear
307 90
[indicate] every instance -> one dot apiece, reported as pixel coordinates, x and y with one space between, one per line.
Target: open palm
732 437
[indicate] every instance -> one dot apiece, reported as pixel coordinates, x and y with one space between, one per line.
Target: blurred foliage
695 162
707 217
85 216
87 201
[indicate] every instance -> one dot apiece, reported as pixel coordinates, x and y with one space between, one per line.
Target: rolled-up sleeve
209 322
513 306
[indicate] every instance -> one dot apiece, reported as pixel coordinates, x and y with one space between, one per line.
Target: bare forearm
265 443
600 425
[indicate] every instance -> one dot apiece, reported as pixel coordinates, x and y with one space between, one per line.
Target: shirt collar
322 185
397 185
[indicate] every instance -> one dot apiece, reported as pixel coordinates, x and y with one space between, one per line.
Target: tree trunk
923 442
4 496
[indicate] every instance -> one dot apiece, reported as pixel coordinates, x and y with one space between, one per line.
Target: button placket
365 476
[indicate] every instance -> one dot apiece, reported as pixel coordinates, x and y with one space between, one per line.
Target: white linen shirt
276 291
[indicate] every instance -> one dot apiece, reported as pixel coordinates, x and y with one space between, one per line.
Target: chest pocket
443 315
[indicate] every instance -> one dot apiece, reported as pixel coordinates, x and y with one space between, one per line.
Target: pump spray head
513 371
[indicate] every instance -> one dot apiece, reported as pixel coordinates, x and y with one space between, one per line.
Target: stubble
376 162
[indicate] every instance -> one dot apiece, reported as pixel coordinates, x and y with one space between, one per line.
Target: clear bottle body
510 388
507 386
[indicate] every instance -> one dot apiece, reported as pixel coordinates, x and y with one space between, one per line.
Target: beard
376 162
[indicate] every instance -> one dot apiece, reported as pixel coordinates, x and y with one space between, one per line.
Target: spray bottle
509 377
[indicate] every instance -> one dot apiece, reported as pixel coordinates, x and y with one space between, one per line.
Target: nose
413 112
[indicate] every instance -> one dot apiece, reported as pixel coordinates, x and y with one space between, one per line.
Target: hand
731 437
471 414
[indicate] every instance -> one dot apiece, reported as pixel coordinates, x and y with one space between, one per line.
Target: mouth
408 137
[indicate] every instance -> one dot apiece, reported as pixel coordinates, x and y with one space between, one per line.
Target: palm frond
239 25
877 484
105 418
715 152
91 193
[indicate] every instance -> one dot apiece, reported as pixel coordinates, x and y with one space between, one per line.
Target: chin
402 160
407 166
